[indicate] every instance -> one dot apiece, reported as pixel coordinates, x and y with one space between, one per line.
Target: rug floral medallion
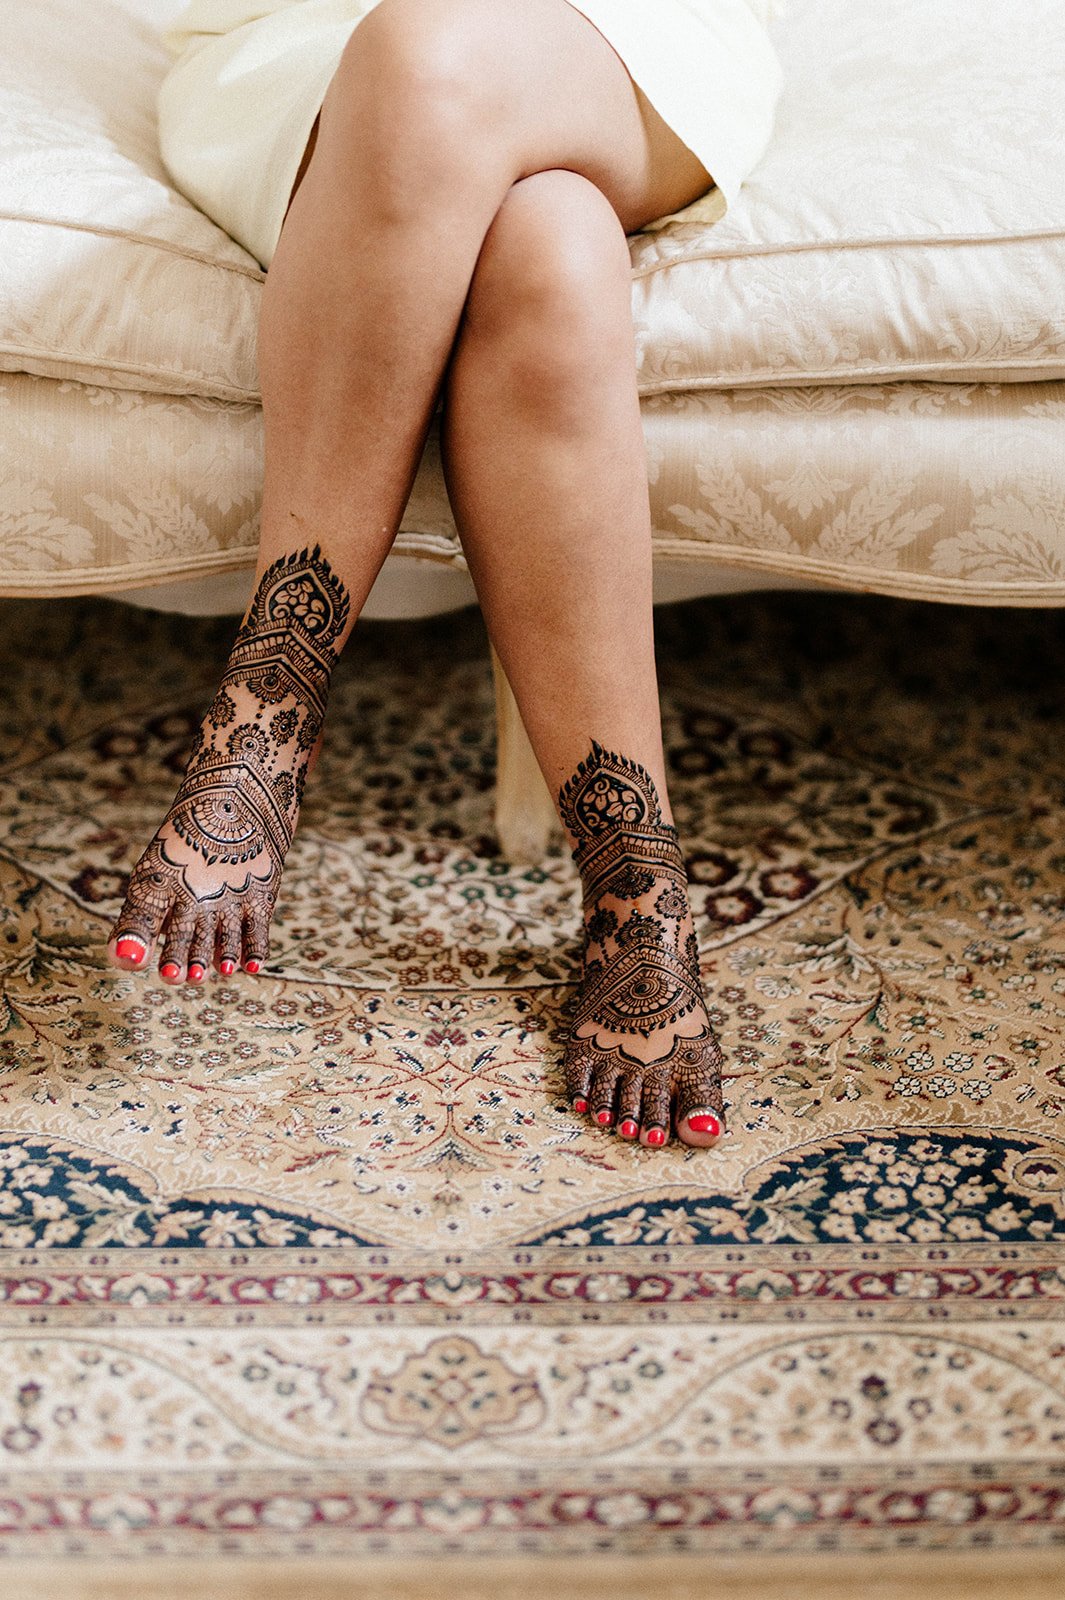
322 1263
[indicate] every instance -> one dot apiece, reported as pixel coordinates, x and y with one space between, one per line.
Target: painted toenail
228 968
130 950
580 1105
251 966
169 969
196 973
656 1136
604 1118
704 1124
628 1129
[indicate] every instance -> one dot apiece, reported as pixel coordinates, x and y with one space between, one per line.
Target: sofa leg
525 817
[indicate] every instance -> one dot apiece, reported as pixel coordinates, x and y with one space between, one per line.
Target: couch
855 379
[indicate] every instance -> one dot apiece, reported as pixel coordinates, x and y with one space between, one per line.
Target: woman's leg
547 474
437 109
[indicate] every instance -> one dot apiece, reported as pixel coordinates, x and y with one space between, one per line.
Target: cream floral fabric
907 219
942 490
907 223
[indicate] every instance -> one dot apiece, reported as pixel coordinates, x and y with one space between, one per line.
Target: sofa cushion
908 219
107 274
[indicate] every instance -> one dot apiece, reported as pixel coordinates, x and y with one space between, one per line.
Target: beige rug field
321 1265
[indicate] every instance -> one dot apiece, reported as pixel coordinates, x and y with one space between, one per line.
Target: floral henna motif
643 980
219 853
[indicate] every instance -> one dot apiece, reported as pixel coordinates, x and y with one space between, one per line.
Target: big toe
701 1129
129 950
699 1109
132 937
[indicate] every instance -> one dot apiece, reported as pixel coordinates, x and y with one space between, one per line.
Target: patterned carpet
322 1263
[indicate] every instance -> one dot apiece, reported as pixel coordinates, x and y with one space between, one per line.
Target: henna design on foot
641 1050
209 879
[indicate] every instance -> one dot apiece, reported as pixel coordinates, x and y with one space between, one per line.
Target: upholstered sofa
854 379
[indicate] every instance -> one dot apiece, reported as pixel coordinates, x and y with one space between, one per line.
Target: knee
422 110
552 289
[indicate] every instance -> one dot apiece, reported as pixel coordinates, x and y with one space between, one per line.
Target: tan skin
458 227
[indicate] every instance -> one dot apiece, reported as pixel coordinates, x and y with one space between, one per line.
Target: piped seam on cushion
252 270
78 369
805 246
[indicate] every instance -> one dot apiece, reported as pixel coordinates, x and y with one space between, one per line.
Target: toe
630 1097
578 1067
201 949
173 958
654 1117
145 908
699 1113
230 939
602 1101
256 939
702 1129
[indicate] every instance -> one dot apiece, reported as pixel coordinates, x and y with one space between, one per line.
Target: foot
642 1056
204 890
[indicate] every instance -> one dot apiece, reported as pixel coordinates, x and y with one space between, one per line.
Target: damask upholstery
856 377
934 490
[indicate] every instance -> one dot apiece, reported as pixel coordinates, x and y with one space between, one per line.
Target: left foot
642 1056
204 890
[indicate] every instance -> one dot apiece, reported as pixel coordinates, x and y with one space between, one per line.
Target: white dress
237 107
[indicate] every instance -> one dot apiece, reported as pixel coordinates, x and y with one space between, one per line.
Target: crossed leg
458 143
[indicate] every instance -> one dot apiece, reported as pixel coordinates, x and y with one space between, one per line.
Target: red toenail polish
195 973
251 966
228 968
129 950
169 969
704 1124
604 1118
656 1136
580 1105
628 1128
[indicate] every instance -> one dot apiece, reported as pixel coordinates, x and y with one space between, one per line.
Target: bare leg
438 108
546 471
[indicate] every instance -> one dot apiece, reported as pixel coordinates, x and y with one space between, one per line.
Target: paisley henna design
630 882
283 725
211 875
221 711
601 925
308 734
639 928
641 1049
672 903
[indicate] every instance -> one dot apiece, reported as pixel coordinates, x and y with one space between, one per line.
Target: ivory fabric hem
238 105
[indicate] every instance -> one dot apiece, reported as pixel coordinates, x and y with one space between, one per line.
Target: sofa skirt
237 108
936 491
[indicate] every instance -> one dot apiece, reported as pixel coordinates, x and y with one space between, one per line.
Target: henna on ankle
236 809
610 805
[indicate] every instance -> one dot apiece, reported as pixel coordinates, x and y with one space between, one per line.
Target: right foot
206 885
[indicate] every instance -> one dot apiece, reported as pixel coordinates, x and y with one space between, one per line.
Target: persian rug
321 1265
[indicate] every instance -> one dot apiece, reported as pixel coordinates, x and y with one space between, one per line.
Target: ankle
290 640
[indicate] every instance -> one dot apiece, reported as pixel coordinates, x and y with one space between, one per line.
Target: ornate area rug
321 1264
